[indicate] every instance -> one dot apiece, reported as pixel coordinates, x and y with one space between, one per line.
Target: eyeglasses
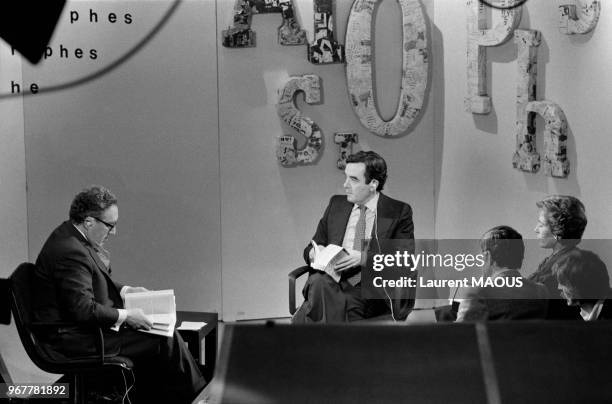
108 225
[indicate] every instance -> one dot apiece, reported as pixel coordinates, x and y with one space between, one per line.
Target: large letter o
415 57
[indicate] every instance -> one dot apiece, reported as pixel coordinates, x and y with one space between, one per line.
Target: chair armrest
293 275
95 330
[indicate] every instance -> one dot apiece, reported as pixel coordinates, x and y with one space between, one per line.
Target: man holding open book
72 283
333 290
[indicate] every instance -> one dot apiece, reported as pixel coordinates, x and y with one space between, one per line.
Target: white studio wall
185 133
476 187
269 212
146 129
13 211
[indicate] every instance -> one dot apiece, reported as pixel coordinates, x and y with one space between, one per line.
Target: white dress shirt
349 233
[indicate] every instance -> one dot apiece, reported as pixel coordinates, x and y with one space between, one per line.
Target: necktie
360 230
104 256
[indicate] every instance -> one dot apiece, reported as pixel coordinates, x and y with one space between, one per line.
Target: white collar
80 231
594 314
371 204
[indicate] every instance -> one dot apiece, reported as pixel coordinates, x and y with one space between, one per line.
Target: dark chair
296 273
20 300
293 275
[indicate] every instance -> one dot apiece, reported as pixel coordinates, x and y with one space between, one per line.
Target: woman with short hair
561 223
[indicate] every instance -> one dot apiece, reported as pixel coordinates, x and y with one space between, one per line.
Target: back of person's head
375 167
505 246
565 215
583 274
92 202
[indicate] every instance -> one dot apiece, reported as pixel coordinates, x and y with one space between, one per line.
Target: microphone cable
127 389
380 252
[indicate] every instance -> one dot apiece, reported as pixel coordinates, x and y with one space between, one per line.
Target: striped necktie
360 230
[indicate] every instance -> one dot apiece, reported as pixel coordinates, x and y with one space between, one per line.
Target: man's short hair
92 202
375 167
565 215
505 246
583 274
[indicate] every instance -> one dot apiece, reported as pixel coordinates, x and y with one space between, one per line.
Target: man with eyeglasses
72 282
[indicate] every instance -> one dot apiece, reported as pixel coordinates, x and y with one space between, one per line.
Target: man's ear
373 185
487 257
488 262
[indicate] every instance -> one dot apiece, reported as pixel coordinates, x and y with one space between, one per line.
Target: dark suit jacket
504 303
393 222
72 284
557 308
606 310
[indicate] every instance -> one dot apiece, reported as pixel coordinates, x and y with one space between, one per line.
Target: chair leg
78 392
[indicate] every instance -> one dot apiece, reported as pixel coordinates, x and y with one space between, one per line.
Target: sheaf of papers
325 259
191 325
159 306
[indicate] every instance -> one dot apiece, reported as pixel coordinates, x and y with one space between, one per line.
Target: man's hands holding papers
136 317
138 320
351 260
333 259
152 311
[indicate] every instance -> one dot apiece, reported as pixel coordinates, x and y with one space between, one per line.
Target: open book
325 258
159 306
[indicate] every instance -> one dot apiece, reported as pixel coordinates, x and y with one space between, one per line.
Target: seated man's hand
138 320
351 260
135 289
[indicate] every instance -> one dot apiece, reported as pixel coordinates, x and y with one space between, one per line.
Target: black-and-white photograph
305 201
